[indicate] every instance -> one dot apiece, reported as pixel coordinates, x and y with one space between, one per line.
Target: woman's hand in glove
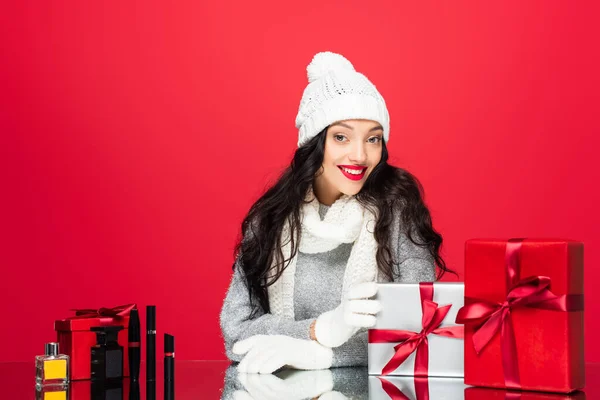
334 328
296 385
267 353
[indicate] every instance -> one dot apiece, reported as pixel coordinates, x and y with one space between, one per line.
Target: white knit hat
336 92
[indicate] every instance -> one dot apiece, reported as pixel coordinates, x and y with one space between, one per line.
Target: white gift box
438 388
402 310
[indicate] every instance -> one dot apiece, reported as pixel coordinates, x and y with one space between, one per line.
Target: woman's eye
374 139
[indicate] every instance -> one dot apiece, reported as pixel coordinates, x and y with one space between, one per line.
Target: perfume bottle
52 392
106 354
52 368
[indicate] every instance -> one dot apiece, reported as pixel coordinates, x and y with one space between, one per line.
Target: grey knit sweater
317 289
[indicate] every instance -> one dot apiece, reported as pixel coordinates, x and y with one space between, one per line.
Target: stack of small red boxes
76 339
523 317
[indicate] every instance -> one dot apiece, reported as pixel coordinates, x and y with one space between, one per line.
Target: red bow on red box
490 317
116 312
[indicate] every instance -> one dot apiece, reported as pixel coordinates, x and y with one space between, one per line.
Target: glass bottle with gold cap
52 368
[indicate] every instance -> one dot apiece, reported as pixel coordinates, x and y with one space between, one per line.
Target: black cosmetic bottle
107 354
111 389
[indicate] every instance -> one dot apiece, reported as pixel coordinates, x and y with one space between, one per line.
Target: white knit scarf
346 221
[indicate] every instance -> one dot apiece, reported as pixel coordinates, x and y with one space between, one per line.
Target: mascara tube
169 369
134 390
150 343
150 390
134 344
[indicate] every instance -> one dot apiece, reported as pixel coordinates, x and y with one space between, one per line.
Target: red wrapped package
473 393
76 339
523 314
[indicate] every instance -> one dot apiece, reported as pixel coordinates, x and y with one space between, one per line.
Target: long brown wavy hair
387 189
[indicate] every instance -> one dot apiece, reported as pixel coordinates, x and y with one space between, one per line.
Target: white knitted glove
268 353
332 396
296 386
334 328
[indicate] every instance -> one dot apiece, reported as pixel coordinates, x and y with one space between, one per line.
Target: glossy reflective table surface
220 380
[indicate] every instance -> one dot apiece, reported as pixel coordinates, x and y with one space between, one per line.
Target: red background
135 136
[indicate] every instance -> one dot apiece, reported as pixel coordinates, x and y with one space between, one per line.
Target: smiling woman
338 220
354 148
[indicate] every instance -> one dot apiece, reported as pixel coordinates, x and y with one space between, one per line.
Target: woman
338 220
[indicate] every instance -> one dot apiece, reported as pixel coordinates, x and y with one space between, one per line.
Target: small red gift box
473 393
76 339
523 314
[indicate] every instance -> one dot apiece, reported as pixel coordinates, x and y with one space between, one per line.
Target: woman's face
352 150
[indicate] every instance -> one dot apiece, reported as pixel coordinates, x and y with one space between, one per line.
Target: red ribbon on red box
117 312
491 317
433 315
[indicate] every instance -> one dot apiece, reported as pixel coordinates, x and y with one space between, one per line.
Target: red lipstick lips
353 177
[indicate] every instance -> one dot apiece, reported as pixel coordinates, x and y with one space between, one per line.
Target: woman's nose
358 153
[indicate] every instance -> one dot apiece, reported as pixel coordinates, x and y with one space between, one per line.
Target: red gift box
76 339
523 314
498 394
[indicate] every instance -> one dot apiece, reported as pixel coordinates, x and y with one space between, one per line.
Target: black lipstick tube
134 390
150 343
169 369
133 345
150 390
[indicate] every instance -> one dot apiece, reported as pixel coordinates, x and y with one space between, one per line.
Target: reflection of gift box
117 389
76 339
413 388
523 314
415 333
472 393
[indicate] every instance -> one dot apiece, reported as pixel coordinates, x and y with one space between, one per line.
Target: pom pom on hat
337 92
324 62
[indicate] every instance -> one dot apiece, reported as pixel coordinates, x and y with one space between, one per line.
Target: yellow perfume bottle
52 368
52 392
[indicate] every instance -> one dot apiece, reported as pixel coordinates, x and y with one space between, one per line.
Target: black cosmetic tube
134 390
169 369
150 390
134 344
150 343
